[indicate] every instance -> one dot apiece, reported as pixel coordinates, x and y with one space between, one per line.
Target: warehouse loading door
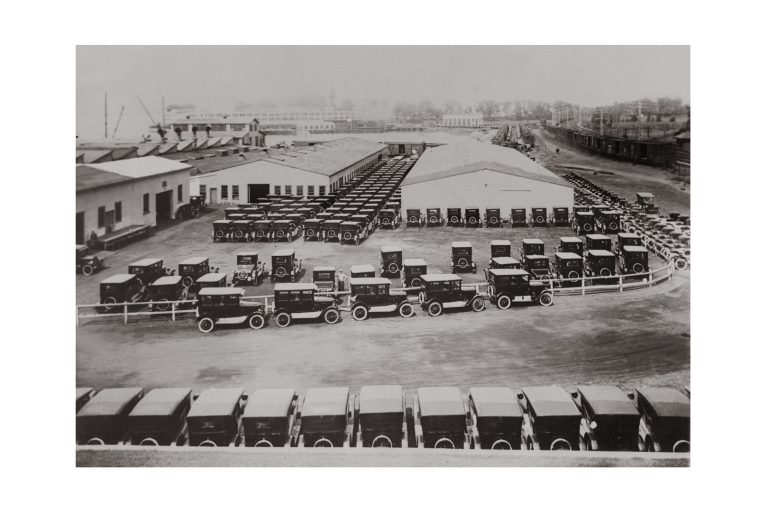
257 191
163 206
80 228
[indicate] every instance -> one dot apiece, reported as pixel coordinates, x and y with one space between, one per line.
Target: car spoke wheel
187 281
503 302
163 305
605 272
416 282
405 310
444 443
257 321
87 270
393 268
219 233
263 444
478 304
283 319
560 444
638 268
331 316
501 444
545 299
323 443
587 227
205 325
109 303
359 312
435 309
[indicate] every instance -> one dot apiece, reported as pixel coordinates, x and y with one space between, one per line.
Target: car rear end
213 419
381 417
103 419
442 418
268 417
326 418
158 418
497 418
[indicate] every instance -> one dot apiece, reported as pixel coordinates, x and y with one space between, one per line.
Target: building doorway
163 206
80 228
401 149
214 196
257 191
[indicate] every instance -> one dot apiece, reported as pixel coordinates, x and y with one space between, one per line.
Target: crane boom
154 123
117 124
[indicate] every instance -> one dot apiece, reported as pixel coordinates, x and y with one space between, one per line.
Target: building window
102 211
288 190
224 192
310 190
321 190
235 192
300 190
202 190
277 190
119 211
146 203
180 193
165 184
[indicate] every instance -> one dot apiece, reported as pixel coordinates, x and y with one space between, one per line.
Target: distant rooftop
91 176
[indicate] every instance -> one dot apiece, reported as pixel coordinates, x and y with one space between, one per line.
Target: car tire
638 268
604 272
109 303
416 282
205 324
331 315
477 304
162 305
257 321
187 281
283 319
359 312
87 270
392 268
546 299
405 310
435 308
503 302
587 227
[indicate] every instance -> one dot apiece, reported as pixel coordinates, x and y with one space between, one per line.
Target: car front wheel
331 316
546 299
283 319
435 309
405 310
503 302
478 304
257 321
359 312
205 324
87 270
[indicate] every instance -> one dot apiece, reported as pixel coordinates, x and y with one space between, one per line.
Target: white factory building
470 120
307 171
482 175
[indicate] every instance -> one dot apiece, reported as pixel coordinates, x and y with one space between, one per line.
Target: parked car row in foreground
600 418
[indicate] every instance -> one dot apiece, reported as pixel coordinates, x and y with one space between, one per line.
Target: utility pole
163 112
602 130
105 115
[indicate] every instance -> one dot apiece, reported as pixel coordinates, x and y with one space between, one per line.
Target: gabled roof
328 158
143 167
455 159
88 177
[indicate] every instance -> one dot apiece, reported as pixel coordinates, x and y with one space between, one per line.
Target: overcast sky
215 77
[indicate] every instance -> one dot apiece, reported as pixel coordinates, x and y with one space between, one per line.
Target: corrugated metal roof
455 159
88 177
329 158
142 167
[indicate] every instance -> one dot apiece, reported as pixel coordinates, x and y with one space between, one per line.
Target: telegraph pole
105 115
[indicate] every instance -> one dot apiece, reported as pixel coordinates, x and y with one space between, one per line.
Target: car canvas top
550 401
440 401
324 268
118 279
612 212
215 402
627 235
532 241
495 402
381 399
598 236
269 403
391 248
109 402
506 260
585 214
644 194
221 291
460 244
608 400
667 402
211 277
160 402
248 253
166 281
567 256
284 252
362 268
415 262
325 402
508 272
282 287
368 280
570 240
634 248
440 277
537 257
599 253
349 223
501 242
145 262
195 260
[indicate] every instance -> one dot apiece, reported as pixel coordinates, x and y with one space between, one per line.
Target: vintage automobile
353 232
461 257
492 217
362 271
505 262
147 270
413 269
496 415
598 241
82 395
500 248
118 289
225 306
445 291
269 417
313 229
231 211
373 295
609 221
327 420
551 419
285 230
248 268
531 246
414 218
158 418
572 244
285 266
214 418
472 218
442 418
646 202
434 217
508 285
518 218
381 417
389 218
262 230
85 263
210 280
538 265
454 217
584 222
569 268
610 420
326 279
192 268
624 239
221 230
560 216
391 260
539 216
633 259
103 419
665 423
299 301
600 263
332 230
241 231
165 292
197 203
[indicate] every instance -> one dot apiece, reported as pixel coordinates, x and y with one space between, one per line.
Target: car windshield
245 260
538 263
323 276
220 300
282 260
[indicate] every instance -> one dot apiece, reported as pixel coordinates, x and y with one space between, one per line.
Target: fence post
621 283
125 314
650 277
583 285
173 311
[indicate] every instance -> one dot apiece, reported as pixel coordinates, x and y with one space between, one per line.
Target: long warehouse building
482 175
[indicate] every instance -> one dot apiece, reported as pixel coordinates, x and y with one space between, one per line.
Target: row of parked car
592 417
472 217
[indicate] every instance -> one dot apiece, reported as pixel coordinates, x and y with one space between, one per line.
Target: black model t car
633 259
434 217
646 202
362 271
197 203
500 248
551 419
610 221
442 418
193 268
381 417
413 218
285 266
284 230
225 306
569 268
86 263
119 288
665 424
389 218
472 218
624 239
518 218
241 230
103 419
221 230
413 269
158 418
444 291
454 217
249 269
165 291
313 229
539 216
353 232
584 222
262 230
147 270
299 301
610 420
497 418
372 295
572 244
508 285
391 261
461 257
214 418
492 218
600 263
332 230
269 417
560 216
598 241
326 419
326 279
537 265
531 247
